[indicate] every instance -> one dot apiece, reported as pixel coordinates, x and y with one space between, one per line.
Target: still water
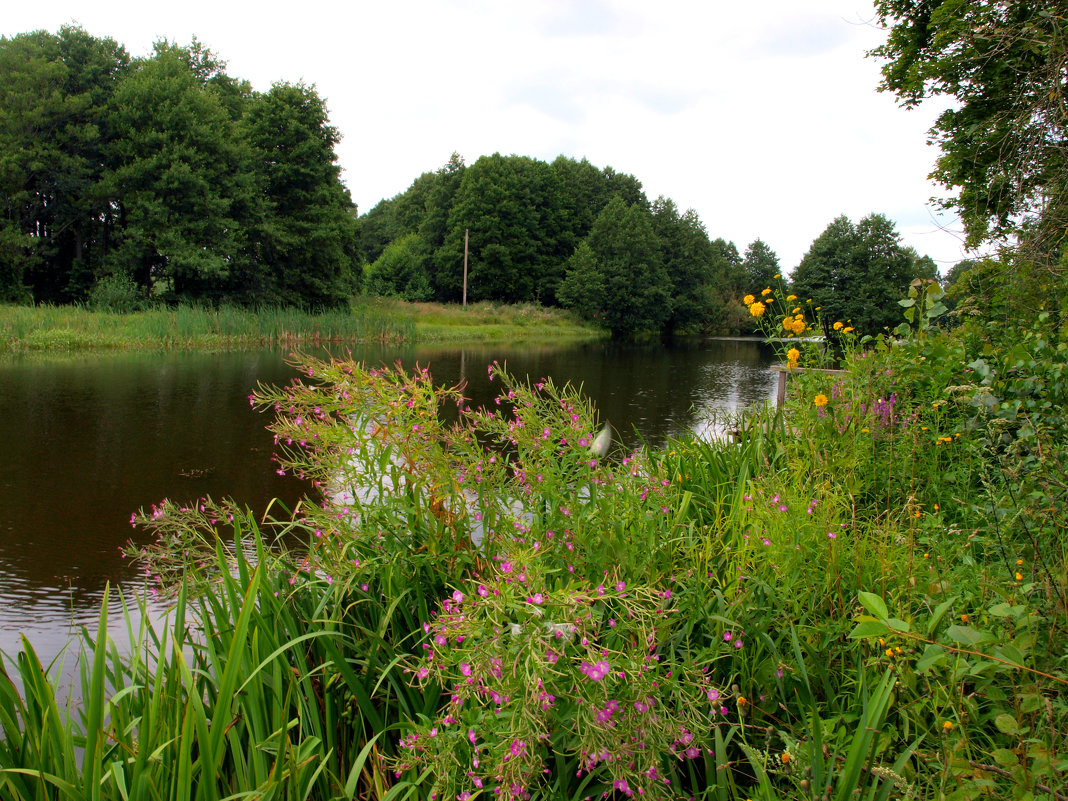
85 441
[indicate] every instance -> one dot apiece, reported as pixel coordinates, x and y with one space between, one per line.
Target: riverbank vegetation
380 321
864 593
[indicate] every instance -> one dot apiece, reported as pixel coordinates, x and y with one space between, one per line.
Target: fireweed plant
558 638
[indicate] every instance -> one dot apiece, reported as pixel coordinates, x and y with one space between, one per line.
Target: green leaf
966 635
1005 757
933 654
898 625
869 628
1007 724
874 604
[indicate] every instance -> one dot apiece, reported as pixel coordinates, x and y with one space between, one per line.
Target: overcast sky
764 118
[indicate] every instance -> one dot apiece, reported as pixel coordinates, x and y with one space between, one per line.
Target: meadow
859 595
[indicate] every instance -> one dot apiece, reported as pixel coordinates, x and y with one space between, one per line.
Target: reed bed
50 328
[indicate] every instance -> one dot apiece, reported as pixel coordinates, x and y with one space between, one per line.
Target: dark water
86 441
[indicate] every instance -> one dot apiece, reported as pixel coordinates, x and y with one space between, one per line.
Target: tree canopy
1004 139
167 171
856 274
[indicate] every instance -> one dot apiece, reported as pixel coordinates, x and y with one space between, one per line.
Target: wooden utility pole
465 267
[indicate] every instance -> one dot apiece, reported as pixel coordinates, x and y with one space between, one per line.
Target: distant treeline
563 233
164 177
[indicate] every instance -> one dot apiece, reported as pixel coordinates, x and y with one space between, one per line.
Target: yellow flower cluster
794 325
820 400
756 309
793 356
838 326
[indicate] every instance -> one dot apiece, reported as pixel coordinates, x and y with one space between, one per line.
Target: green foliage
583 286
115 293
760 265
1003 137
636 295
856 274
166 170
305 245
400 271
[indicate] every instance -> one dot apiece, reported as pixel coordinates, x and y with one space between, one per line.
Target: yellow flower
847 330
796 310
777 275
791 297
889 652
838 325
765 291
793 355
820 400
947 725
818 308
1019 576
799 327
748 300
963 618
757 309
1019 561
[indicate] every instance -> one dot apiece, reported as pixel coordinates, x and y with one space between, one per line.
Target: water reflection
87 441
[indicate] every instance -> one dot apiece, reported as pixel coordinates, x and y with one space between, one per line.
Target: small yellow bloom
820 400
748 300
1019 576
757 309
947 725
890 652
796 310
777 275
766 291
927 556
1019 561
936 507
865 431
838 326
785 758
963 618
818 308
793 355
791 297
742 701
847 330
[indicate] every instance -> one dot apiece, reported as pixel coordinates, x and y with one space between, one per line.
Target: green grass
72 328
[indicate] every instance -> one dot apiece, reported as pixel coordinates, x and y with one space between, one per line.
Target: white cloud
765 119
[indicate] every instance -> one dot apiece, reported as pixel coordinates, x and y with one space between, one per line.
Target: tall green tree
1004 138
511 206
54 129
180 179
760 265
857 273
689 259
306 246
635 290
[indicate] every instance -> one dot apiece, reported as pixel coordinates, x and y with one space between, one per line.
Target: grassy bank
69 328
861 596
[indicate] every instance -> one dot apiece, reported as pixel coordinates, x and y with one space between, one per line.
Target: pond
88 440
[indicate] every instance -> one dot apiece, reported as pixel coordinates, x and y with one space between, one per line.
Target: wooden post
465 267
780 391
